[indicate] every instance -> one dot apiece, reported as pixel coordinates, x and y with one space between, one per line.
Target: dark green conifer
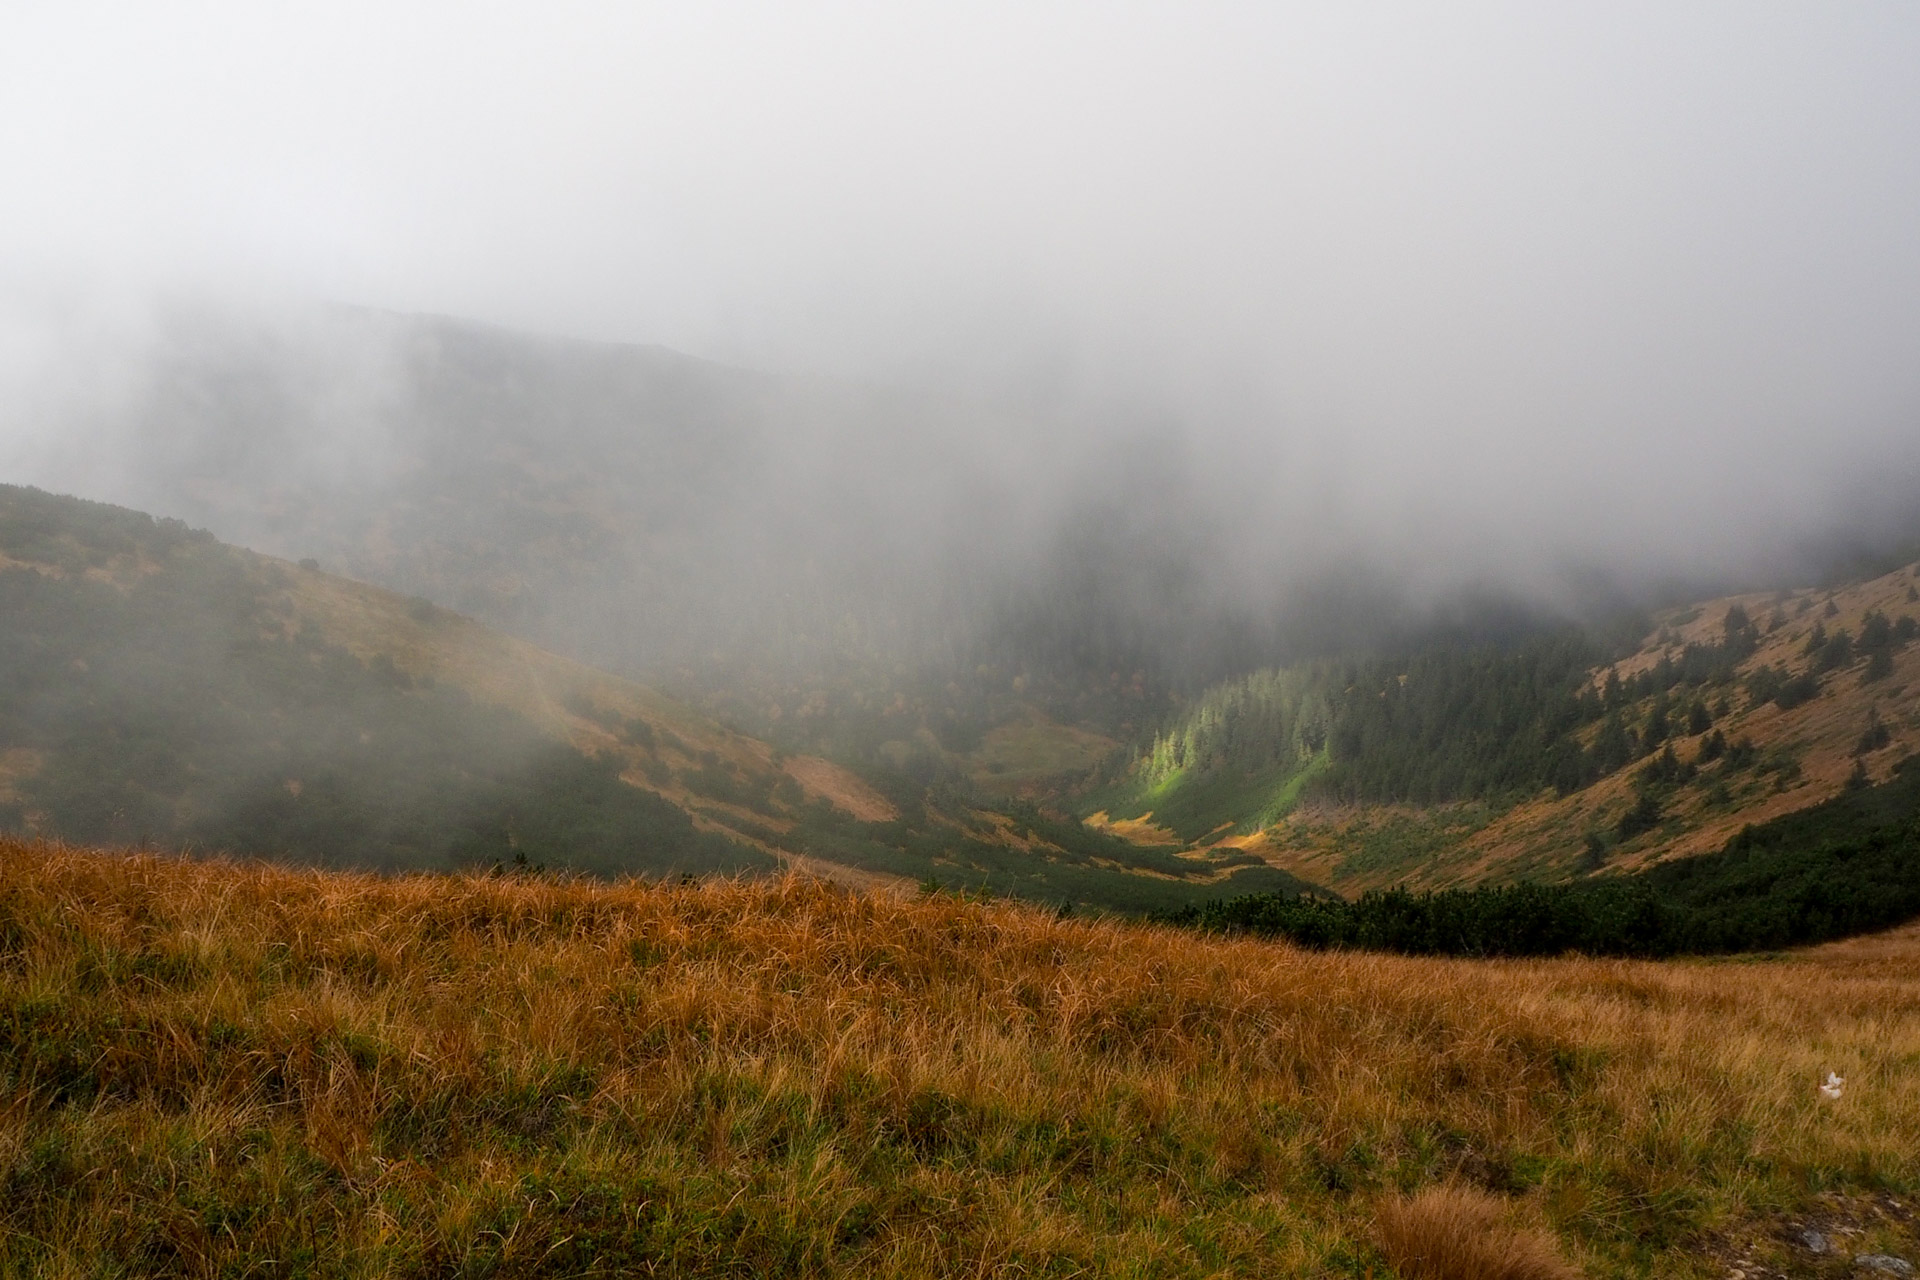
1876 632
1644 816
1875 737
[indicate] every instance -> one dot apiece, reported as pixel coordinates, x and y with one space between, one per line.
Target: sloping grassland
211 1068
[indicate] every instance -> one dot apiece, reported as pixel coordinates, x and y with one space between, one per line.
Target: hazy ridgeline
757 538
1192 342
809 557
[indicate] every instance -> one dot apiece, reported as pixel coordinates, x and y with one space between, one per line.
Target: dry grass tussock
208 1068
1460 1233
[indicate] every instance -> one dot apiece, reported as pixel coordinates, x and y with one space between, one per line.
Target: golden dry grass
1459 1233
217 1069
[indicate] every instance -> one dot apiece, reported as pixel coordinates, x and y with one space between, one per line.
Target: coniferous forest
1450 722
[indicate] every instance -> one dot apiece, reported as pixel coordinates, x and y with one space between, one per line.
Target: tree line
1845 867
1461 722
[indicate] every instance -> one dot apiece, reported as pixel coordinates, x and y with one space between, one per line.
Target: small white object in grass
1833 1086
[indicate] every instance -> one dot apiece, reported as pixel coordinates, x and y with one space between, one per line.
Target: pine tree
1876 736
1642 817
1657 727
1875 632
1698 720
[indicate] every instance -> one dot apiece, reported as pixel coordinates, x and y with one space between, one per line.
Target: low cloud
1490 297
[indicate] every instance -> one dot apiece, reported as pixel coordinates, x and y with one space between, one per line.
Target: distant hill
845 569
882 576
1549 758
160 687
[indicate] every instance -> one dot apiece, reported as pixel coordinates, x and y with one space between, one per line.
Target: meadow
222 1069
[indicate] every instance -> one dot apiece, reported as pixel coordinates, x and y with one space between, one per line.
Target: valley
165 689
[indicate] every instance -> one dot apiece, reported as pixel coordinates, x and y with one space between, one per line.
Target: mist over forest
780 546
980 362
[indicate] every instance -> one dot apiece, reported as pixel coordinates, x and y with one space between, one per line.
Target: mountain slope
1457 766
812 559
1846 719
161 686
879 576
1847 866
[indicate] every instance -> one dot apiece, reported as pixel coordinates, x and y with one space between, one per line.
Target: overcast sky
1612 277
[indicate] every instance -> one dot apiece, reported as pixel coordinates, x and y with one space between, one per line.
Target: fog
1222 308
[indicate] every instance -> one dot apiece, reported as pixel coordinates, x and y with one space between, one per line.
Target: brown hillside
586 707
725 780
217 1069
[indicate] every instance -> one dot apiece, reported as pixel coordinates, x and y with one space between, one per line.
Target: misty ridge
803 554
872 391
1052 360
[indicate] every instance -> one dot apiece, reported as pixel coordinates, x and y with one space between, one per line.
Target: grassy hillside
162 687
219 1069
1467 765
